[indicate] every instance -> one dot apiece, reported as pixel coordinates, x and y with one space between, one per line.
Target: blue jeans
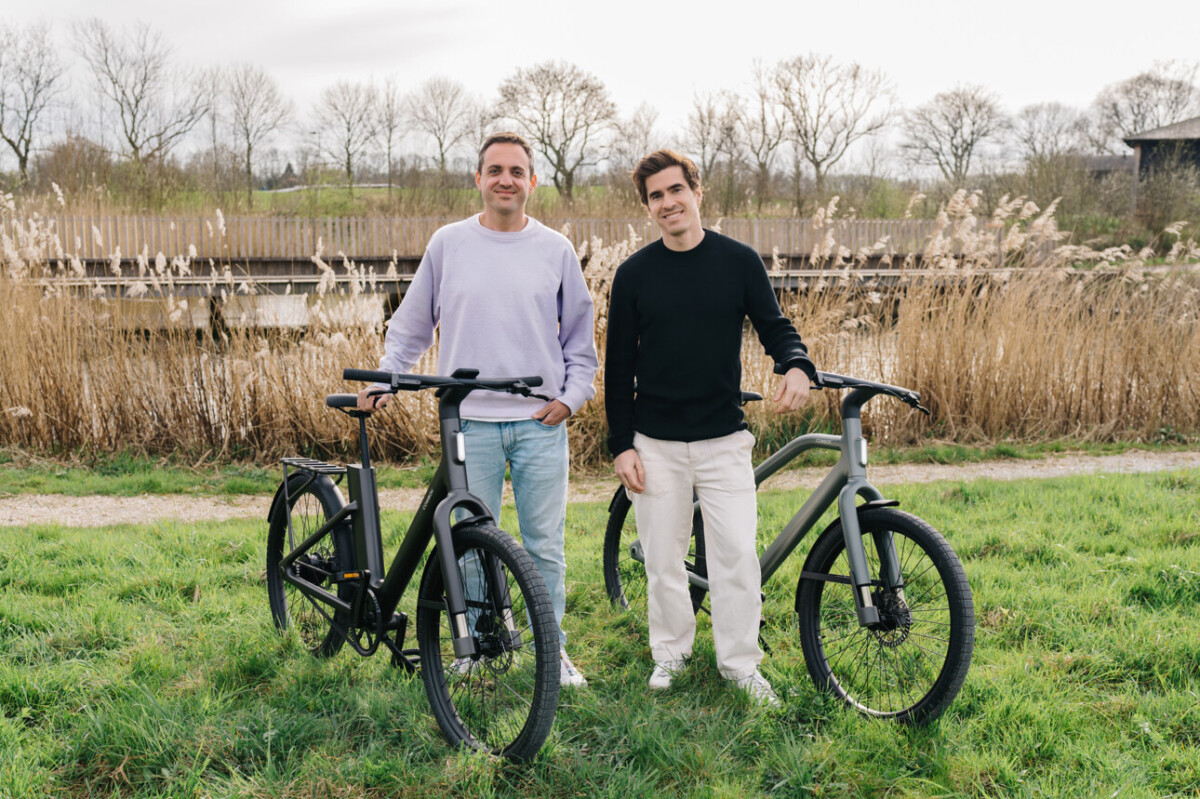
537 457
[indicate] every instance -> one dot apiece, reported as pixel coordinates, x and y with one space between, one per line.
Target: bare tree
390 122
211 86
565 110
637 140
154 106
443 110
1049 138
712 128
1047 130
30 78
712 133
345 114
1161 96
830 106
761 124
257 109
947 131
484 120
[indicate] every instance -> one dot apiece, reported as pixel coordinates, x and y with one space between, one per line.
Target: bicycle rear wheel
911 665
624 569
504 700
311 506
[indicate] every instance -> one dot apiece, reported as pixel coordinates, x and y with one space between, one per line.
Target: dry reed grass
1038 349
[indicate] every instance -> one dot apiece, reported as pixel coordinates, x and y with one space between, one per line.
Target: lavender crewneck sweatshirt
507 304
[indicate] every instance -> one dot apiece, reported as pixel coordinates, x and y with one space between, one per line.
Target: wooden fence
253 238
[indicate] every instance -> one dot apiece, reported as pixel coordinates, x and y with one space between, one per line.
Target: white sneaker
758 689
567 673
660 678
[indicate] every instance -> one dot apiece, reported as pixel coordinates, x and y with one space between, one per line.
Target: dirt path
97 511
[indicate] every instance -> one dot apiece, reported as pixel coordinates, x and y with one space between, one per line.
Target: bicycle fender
619 497
321 483
877 503
863 508
859 510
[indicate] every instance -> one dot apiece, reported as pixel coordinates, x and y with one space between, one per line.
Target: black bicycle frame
447 492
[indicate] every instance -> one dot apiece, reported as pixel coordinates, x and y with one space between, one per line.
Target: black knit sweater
675 331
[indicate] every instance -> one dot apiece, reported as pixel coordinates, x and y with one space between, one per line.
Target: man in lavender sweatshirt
509 299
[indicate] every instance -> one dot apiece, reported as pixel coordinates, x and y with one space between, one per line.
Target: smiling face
505 181
673 204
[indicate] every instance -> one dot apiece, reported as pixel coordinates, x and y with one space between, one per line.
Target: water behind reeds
1039 350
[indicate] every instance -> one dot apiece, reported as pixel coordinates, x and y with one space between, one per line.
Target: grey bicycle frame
844 483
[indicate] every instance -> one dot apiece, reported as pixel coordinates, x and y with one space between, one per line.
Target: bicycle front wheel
910 665
503 700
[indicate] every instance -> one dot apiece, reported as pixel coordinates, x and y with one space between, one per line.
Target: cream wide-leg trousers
720 472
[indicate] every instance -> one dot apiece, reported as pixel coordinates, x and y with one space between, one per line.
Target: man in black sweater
672 394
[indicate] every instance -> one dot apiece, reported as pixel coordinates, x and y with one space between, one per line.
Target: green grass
126 475
336 200
141 661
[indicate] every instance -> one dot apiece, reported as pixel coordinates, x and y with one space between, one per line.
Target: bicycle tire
625 576
311 506
504 702
911 667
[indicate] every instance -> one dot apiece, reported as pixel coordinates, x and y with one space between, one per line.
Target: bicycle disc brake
895 619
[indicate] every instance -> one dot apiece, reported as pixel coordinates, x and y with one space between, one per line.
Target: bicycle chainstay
355 635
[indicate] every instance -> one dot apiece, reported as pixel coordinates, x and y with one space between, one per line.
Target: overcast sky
1026 51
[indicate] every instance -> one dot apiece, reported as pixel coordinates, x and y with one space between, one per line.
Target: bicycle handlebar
466 378
905 395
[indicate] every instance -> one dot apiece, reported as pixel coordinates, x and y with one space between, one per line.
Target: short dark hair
659 160
505 137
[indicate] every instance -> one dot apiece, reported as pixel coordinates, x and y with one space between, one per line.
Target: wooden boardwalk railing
254 238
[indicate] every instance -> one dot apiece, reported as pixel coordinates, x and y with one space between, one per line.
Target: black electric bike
487 639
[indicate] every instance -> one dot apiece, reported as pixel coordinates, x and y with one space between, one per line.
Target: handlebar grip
367 376
532 382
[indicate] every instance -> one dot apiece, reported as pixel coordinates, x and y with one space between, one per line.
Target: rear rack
313 466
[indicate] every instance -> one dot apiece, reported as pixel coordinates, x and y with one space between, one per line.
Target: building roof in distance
1187 129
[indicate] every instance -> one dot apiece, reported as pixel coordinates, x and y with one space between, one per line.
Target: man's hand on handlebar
368 401
792 392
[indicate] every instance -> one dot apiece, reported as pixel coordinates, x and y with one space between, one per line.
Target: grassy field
125 475
457 199
130 475
141 661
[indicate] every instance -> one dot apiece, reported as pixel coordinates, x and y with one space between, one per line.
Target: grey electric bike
882 606
487 640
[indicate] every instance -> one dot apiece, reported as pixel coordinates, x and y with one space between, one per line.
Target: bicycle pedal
399 621
360 576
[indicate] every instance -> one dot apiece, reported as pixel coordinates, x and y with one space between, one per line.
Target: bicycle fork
495 587
855 454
